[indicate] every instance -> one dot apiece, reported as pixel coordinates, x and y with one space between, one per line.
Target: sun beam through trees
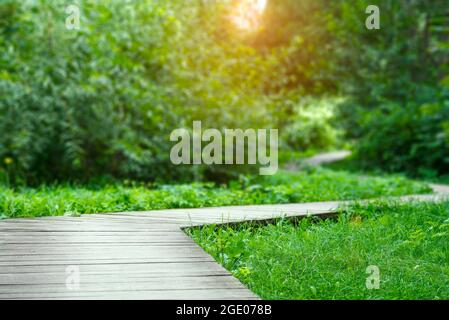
247 14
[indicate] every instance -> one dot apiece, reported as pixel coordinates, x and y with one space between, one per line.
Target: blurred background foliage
102 100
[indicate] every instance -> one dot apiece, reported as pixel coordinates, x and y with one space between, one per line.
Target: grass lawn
409 243
285 187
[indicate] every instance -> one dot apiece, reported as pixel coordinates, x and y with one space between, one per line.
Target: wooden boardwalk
133 255
140 255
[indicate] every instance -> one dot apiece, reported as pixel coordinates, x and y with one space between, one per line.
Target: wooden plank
11 237
69 228
42 225
94 278
50 248
79 262
171 267
103 283
54 250
81 224
176 294
174 252
83 257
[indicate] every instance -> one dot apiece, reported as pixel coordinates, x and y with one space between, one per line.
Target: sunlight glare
248 13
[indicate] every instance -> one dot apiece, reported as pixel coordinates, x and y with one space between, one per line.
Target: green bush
394 78
311 125
414 138
87 102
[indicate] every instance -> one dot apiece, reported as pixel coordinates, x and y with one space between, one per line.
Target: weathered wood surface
134 255
118 257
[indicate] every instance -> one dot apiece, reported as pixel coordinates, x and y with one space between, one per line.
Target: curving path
133 255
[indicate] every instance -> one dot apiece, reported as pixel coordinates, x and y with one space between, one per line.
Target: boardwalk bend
133 255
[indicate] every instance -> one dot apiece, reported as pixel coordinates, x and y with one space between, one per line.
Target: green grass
409 243
304 186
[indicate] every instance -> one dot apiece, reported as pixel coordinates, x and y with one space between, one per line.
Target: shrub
311 125
414 138
89 102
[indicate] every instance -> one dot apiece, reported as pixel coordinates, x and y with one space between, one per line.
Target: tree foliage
103 100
